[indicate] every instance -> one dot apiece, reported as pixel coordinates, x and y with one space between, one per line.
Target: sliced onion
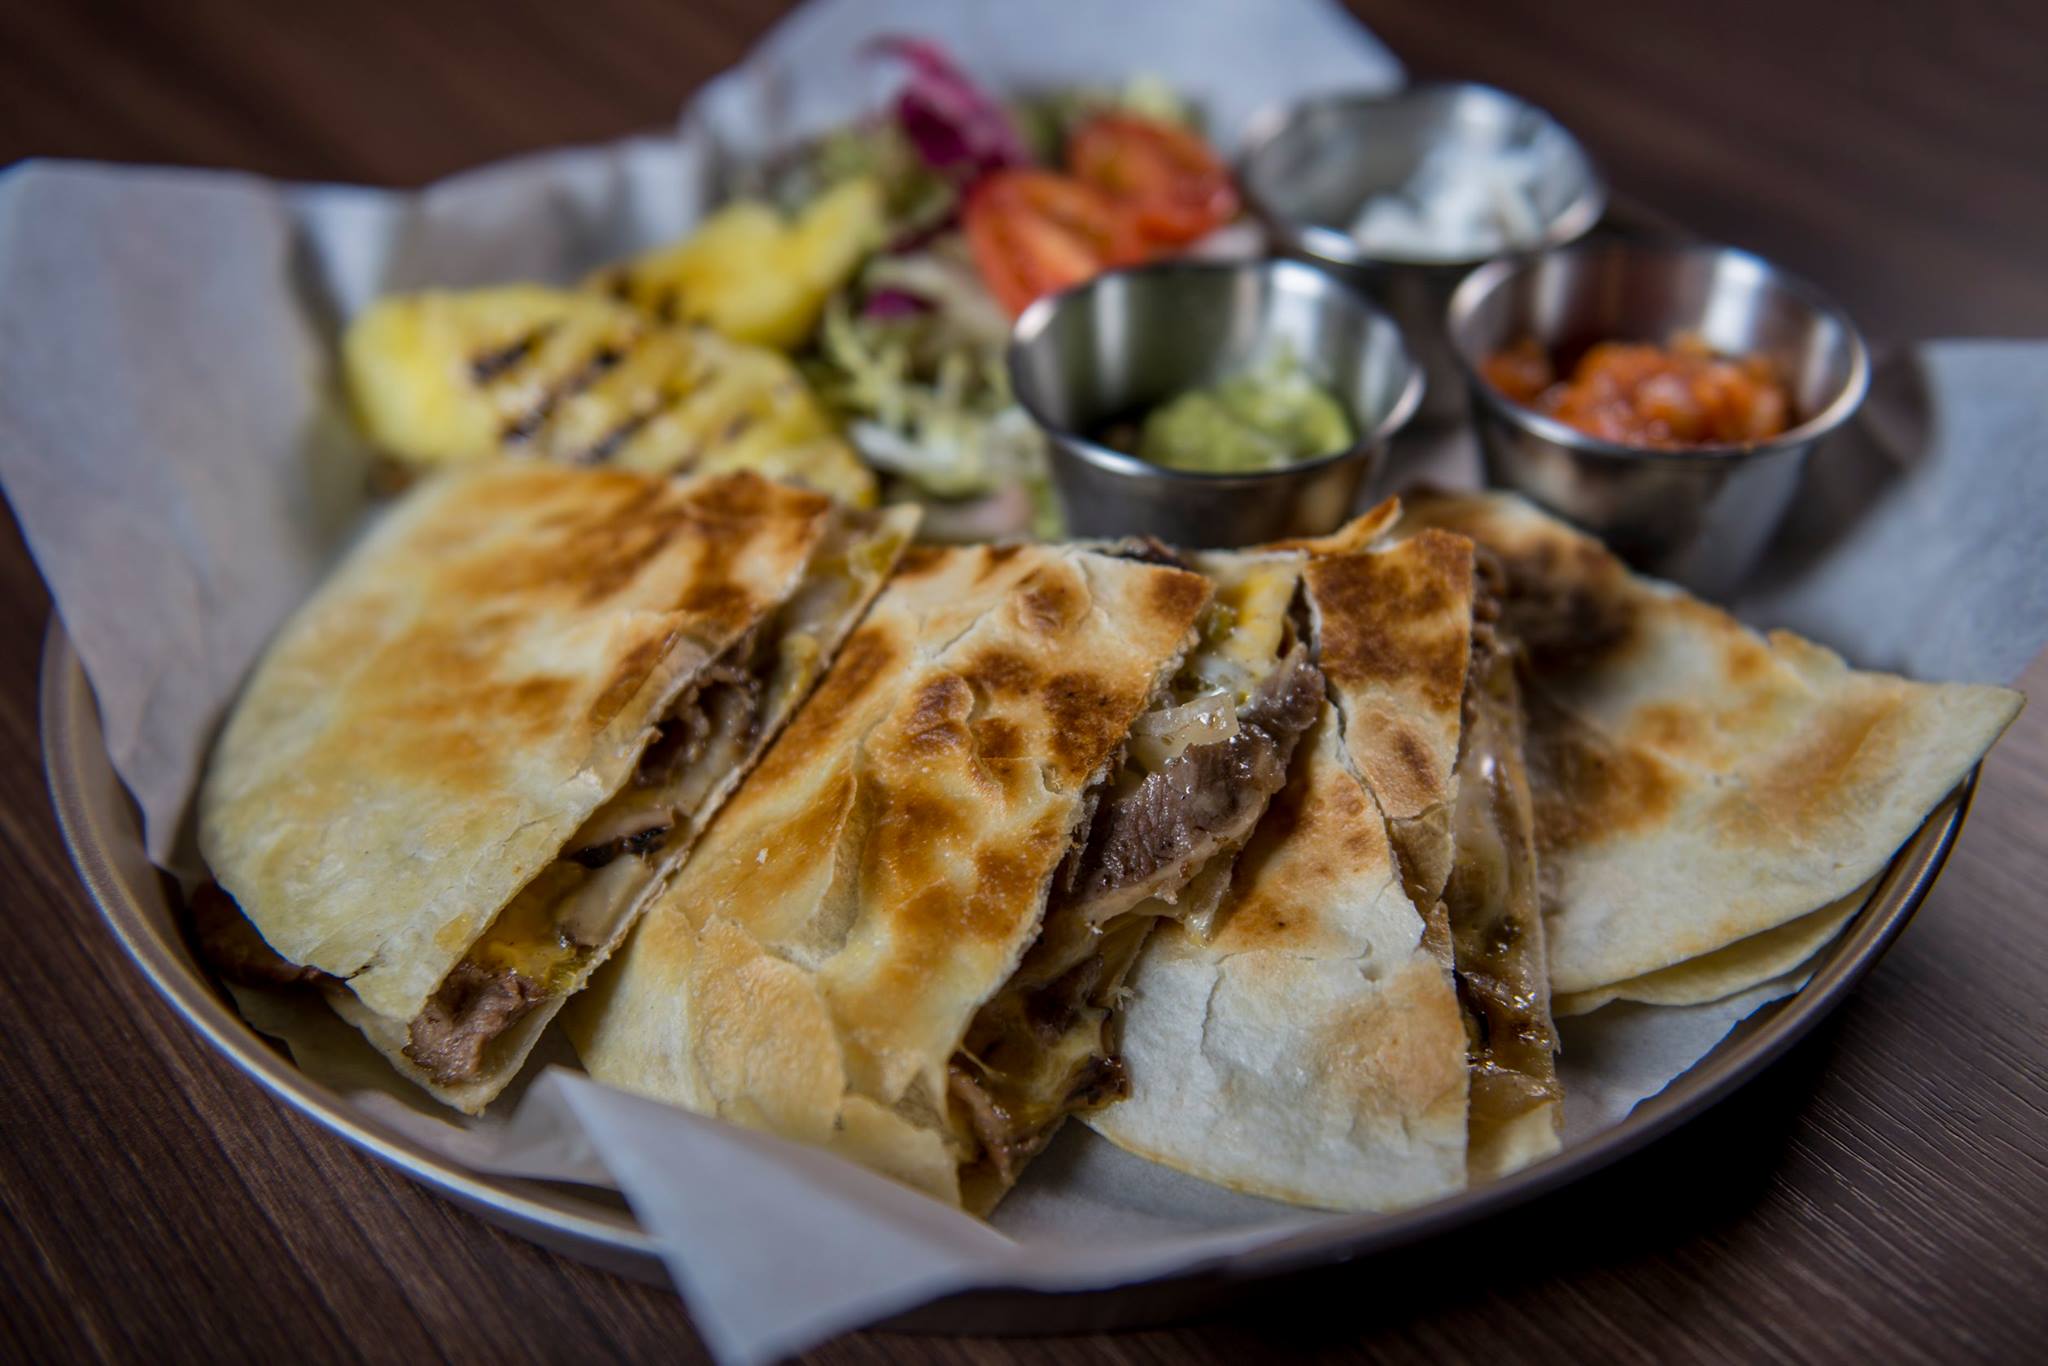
1165 733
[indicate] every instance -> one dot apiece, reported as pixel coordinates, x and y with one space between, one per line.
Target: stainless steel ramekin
1309 169
1701 515
1125 341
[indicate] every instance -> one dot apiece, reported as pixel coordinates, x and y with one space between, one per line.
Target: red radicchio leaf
955 127
894 303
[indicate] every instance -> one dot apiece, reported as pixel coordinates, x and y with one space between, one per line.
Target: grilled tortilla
1697 784
1368 1023
1726 972
459 769
939 876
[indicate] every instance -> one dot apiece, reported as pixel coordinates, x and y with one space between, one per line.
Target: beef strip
479 1001
1145 550
1495 925
1051 1010
677 741
681 741
682 738
231 945
1007 1144
639 842
473 1006
1204 797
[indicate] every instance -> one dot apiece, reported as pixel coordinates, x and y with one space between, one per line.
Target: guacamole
1260 420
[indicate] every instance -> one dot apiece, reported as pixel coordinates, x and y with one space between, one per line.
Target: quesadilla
1365 1024
905 938
1697 784
458 771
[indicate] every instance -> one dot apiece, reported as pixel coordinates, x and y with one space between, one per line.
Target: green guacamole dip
1260 420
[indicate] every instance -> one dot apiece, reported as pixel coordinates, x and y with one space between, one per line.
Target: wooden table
1880 1194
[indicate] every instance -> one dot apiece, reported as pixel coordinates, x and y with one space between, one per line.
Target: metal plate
101 830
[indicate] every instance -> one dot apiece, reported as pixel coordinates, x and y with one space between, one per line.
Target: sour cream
1465 200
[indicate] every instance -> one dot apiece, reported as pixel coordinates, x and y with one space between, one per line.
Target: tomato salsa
1641 394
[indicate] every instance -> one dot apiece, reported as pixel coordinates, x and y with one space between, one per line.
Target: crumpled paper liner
174 444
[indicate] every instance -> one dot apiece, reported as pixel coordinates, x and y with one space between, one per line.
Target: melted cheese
1246 627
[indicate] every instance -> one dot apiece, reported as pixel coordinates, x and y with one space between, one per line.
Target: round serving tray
102 832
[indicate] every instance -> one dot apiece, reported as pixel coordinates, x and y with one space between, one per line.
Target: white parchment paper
173 444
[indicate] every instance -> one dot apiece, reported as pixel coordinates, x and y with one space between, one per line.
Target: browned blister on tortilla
1394 633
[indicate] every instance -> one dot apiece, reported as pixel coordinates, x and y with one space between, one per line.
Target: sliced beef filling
1154 837
646 841
1042 1048
715 721
1145 550
1005 1143
231 945
474 1006
1038 1053
683 738
540 941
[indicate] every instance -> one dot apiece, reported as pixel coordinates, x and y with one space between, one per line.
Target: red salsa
1640 394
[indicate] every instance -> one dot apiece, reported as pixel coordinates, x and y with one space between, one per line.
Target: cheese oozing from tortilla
1198 769
540 944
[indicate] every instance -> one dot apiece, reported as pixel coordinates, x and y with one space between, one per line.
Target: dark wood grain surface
1882 1194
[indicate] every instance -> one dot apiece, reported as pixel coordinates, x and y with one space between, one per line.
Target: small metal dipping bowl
1126 341
1700 515
1309 169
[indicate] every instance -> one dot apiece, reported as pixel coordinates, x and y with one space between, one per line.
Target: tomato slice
1034 233
1175 184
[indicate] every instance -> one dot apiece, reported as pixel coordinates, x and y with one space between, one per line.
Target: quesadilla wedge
1310 1047
459 769
1696 783
905 938
1367 1023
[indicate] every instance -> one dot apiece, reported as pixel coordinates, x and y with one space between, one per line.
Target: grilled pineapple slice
525 370
753 275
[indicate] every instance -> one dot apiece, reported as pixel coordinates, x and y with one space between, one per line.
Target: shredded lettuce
925 396
915 197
